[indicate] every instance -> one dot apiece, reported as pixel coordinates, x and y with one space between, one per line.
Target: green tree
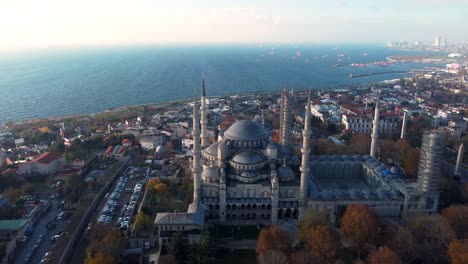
142 221
178 247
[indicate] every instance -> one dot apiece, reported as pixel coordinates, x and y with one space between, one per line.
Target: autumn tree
273 238
458 251
359 225
360 143
300 257
409 157
106 246
457 217
271 256
322 243
99 258
311 219
383 255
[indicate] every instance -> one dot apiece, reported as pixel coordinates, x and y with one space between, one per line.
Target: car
59 233
54 238
24 238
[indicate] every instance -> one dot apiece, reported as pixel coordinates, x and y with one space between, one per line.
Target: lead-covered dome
246 130
248 158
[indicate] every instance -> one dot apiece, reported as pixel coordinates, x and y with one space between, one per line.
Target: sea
67 81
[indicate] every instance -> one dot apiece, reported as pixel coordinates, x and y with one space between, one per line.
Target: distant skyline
50 23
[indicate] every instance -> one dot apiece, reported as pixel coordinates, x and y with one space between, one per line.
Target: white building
48 163
151 142
388 123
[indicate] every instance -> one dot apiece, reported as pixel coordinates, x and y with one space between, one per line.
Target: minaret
196 167
305 159
285 118
458 167
403 125
375 127
204 135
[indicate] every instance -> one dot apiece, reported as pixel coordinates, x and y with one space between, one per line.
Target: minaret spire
305 158
458 167
196 167
204 135
403 125
375 127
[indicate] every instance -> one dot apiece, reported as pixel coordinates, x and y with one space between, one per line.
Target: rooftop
12 225
48 157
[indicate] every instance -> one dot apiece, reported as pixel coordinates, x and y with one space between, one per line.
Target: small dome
285 172
246 130
394 170
248 157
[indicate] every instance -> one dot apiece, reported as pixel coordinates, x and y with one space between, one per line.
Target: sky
50 23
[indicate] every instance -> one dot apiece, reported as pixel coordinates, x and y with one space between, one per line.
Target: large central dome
246 130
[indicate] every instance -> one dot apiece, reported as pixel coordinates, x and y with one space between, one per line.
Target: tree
28 188
458 251
12 193
359 225
311 219
99 258
322 243
360 143
273 238
300 257
457 217
432 234
409 157
272 257
201 253
142 221
178 248
383 255
106 245
401 240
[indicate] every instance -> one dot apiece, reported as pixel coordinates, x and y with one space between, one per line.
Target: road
40 229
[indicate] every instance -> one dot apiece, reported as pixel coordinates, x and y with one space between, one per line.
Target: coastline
174 102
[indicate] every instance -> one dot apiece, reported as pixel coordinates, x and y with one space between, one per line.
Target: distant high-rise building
443 42
437 41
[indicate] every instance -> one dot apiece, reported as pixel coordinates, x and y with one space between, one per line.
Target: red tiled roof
109 150
48 157
128 141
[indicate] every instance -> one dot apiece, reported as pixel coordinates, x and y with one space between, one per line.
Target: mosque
246 179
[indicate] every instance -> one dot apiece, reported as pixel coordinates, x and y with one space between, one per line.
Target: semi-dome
248 157
246 130
212 150
285 173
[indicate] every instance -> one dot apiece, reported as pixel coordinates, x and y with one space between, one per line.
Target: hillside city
229 179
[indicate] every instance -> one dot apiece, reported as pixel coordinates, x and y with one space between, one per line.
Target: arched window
216 206
254 207
228 207
287 214
295 214
249 207
280 214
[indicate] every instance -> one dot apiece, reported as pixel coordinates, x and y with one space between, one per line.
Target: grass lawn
244 256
